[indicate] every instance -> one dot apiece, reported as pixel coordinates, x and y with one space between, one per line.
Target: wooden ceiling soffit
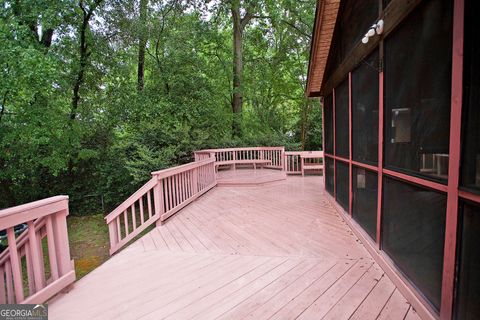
325 19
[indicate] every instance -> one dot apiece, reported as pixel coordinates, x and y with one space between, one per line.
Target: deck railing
235 155
36 263
163 195
294 162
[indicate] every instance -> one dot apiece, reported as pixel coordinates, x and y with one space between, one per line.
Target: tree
239 24
142 45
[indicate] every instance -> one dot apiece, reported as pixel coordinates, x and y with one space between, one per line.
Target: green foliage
119 134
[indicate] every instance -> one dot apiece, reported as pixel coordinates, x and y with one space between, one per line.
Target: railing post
61 242
282 157
113 233
158 200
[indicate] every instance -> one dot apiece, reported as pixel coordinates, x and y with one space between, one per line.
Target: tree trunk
142 44
84 54
237 101
81 67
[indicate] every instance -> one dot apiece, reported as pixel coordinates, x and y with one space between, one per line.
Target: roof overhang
325 19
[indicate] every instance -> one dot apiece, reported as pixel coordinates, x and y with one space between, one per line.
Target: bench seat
246 161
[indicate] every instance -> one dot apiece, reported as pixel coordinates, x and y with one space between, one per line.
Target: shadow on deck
277 251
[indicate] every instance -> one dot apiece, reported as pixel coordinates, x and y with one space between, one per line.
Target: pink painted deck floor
248 177
278 251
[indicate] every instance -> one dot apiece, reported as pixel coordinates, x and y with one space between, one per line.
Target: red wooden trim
448 281
341 159
365 166
380 159
329 155
416 180
350 190
334 149
323 139
469 196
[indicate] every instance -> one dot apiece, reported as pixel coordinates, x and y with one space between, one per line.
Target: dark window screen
365 111
468 287
328 112
417 92
470 177
354 19
342 147
364 211
342 183
329 175
413 233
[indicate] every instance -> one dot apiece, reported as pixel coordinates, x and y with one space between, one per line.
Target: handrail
163 195
23 260
231 156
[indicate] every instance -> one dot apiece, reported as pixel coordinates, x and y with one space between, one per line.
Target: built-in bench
311 161
254 162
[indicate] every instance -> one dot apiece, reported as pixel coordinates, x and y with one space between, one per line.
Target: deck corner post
113 234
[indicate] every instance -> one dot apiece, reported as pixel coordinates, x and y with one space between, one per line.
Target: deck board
276 251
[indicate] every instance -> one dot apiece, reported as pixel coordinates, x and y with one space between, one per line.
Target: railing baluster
52 254
30 276
149 205
16 268
134 218
170 193
125 222
119 230
9 280
3 294
184 191
34 254
177 189
142 218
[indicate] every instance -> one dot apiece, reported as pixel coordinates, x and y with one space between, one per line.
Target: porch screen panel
413 233
342 184
364 206
470 176
328 113
468 287
329 175
342 147
365 111
418 66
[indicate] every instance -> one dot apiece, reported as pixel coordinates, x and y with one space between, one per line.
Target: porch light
371 32
379 27
375 28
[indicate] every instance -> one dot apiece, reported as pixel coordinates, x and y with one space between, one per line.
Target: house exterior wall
414 157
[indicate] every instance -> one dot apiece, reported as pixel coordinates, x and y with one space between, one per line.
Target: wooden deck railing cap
31 205
170 171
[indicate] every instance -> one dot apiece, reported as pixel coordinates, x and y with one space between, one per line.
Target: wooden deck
248 177
278 251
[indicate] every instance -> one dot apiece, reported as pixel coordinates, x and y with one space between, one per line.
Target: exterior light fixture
371 31
375 28
379 27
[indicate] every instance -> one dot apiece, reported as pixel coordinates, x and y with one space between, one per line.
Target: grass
89 242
